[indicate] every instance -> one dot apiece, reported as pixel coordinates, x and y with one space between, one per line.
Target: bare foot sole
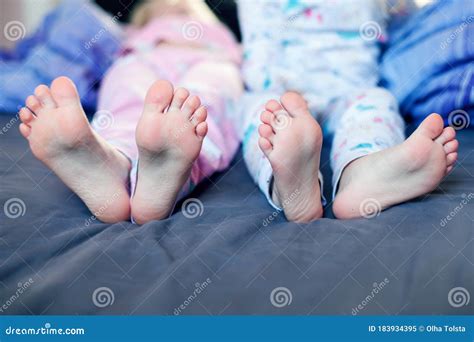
169 138
291 139
60 136
398 174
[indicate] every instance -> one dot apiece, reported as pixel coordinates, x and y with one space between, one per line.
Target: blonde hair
156 8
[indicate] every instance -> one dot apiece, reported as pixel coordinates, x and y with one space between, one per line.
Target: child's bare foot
169 141
61 137
291 139
398 174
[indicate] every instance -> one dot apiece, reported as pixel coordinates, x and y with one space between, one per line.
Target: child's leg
169 138
171 160
60 136
121 98
219 94
288 169
374 168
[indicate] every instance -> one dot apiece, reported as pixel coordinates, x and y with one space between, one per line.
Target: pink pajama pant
161 51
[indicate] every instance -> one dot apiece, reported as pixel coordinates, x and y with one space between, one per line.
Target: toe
179 97
273 106
200 115
446 135
294 103
451 158
451 146
33 103
191 105
432 126
158 97
43 94
265 145
64 92
449 169
201 129
266 131
267 117
26 116
25 130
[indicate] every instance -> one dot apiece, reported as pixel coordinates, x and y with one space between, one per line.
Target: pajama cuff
266 180
349 157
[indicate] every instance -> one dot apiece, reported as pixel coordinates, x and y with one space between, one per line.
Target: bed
234 255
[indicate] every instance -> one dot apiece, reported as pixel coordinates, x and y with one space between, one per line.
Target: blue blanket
71 41
238 248
429 62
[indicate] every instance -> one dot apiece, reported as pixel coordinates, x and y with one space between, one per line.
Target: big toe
64 92
432 126
294 103
159 96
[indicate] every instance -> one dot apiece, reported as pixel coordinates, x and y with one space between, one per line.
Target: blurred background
31 12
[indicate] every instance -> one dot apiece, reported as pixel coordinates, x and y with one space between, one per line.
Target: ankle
274 194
